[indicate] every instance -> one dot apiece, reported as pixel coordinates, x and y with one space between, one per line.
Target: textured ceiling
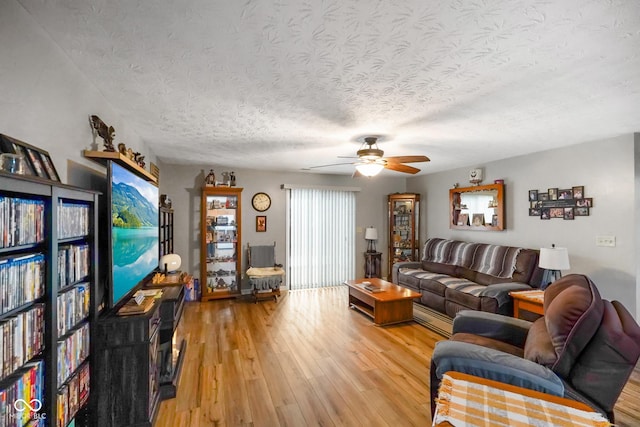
286 84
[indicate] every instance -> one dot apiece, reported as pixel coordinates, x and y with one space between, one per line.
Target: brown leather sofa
584 348
455 275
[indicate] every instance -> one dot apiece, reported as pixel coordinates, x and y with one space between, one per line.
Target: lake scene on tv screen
134 233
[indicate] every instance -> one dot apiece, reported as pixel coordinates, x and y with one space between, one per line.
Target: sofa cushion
487 342
538 347
494 260
437 250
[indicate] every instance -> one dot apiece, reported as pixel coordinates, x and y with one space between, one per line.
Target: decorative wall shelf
103 157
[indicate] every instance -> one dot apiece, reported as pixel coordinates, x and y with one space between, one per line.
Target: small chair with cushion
265 275
584 348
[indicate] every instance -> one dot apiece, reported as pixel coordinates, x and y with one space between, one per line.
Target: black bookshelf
57 362
166 230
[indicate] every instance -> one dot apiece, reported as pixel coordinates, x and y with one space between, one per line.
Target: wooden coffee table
393 305
532 301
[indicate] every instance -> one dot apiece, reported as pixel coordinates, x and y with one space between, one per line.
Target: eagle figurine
107 133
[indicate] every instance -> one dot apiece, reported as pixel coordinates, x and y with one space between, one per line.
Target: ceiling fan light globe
369 169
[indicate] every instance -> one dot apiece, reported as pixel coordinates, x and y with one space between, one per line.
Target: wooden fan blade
325 166
399 167
407 159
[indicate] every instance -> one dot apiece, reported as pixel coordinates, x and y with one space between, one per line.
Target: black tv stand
171 353
136 363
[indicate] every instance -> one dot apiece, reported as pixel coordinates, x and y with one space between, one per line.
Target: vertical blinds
322 237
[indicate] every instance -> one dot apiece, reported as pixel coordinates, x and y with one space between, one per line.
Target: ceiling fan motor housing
372 152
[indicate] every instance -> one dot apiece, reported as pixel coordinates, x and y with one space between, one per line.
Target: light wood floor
309 360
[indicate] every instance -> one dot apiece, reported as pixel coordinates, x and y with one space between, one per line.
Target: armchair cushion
494 365
508 329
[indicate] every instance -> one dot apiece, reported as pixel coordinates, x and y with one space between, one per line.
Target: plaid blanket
467 403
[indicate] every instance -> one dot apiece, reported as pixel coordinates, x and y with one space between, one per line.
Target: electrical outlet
609 241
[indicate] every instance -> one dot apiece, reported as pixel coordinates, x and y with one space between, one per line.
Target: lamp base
549 277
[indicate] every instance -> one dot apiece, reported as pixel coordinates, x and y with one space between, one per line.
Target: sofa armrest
503 328
404 264
495 365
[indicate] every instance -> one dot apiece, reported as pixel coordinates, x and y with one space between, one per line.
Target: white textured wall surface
605 168
45 100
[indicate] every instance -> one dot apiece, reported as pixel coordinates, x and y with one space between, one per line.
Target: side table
532 301
372 264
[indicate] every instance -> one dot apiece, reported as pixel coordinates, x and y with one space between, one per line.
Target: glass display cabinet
404 228
220 254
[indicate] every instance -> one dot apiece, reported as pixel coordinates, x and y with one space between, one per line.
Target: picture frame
553 193
545 213
568 213
533 195
535 211
261 223
556 212
49 167
581 211
36 161
477 219
565 194
543 196
578 192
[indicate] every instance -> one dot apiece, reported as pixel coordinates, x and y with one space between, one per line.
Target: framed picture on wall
578 192
533 195
261 223
553 193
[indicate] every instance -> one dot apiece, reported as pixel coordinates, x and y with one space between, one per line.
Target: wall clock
261 202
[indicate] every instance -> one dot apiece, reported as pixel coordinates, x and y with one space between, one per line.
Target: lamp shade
369 168
371 233
170 262
554 258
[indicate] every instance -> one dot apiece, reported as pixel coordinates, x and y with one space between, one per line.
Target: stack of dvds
73 264
21 338
72 351
73 307
23 396
73 220
73 395
21 221
21 280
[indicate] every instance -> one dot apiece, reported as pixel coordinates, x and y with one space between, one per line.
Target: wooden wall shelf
103 156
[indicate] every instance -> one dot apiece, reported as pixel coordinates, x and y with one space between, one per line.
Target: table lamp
169 263
371 235
553 260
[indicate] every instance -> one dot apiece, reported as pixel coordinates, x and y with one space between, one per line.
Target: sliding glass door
321 237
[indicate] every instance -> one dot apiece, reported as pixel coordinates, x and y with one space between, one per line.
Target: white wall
605 168
45 101
183 185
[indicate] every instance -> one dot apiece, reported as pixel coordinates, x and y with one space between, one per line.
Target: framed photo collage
559 203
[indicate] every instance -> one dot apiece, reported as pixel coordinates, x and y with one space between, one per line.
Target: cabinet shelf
404 228
220 247
39 324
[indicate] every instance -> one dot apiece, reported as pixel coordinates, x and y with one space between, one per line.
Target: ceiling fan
370 161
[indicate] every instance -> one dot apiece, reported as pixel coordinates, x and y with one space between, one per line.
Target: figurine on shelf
107 133
210 180
138 159
232 177
225 179
122 149
130 153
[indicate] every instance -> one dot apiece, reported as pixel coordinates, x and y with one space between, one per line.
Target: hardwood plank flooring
309 360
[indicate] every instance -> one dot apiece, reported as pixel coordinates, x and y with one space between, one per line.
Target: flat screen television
134 231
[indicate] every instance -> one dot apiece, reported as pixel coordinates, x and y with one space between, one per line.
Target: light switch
609 241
